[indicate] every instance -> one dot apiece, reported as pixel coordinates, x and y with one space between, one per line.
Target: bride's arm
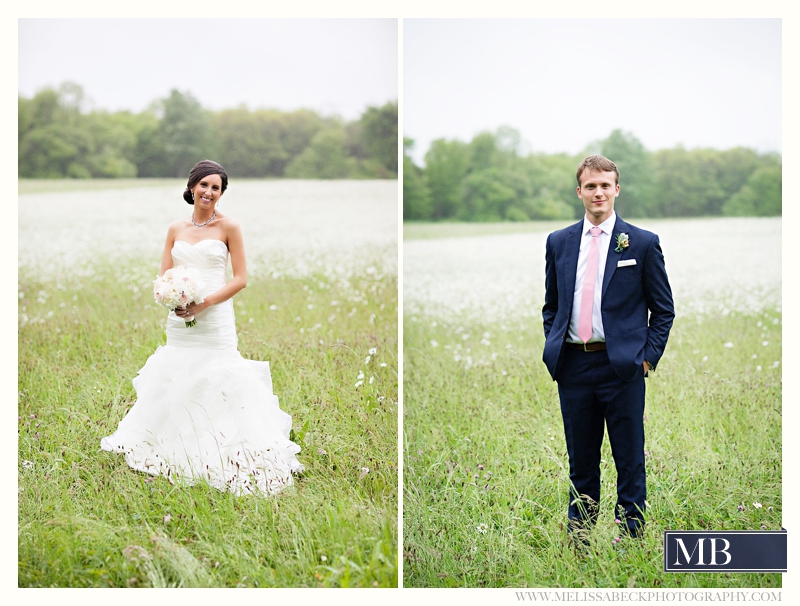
238 264
166 258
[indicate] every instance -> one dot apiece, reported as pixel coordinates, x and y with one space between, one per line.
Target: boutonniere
622 242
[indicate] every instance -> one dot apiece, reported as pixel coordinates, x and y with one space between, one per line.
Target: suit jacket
629 293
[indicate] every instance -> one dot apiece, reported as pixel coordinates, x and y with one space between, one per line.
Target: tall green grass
486 470
87 520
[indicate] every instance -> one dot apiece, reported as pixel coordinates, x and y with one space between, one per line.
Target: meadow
485 463
321 305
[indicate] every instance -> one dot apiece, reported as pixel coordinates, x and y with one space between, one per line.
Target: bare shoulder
230 226
229 232
175 228
227 221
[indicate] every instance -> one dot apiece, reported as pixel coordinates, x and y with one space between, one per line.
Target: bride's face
207 191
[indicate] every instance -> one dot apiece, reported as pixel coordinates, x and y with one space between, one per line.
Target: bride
203 411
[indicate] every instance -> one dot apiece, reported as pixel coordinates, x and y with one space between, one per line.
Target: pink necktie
587 294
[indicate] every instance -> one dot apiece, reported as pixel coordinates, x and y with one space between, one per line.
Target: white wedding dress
203 411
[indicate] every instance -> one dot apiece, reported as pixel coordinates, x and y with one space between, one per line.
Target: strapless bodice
209 256
216 327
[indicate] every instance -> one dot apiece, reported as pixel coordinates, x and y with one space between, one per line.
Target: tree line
490 179
58 138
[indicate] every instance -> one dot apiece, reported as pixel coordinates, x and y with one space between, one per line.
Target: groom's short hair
597 162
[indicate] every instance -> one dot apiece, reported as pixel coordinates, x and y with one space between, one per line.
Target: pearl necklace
207 222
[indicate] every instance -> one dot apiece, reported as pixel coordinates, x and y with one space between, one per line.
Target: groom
607 315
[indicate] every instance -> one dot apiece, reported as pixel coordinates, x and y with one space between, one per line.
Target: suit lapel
612 257
572 247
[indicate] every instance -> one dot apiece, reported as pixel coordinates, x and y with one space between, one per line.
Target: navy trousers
592 395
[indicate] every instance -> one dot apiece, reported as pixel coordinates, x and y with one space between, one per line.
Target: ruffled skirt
208 415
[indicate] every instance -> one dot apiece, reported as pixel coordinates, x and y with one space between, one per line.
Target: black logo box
725 550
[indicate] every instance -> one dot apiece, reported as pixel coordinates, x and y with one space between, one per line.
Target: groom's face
598 191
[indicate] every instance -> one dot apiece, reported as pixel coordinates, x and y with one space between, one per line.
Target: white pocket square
626 263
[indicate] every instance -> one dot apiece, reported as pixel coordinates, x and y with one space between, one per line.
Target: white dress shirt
604 240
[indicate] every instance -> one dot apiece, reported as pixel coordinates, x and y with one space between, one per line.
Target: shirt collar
607 226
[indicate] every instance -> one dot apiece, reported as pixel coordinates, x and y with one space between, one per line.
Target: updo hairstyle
203 169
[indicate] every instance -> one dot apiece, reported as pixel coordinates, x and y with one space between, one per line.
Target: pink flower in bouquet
179 287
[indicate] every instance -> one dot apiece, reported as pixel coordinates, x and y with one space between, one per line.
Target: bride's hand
190 310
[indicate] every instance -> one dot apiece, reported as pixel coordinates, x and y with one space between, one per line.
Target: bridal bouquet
178 287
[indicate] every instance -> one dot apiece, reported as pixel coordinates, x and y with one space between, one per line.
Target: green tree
53 141
250 144
55 151
552 178
45 107
184 130
508 146
149 153
24 117
760 196
495 194
299 128
483 152
416 195
446 165
735 167
113 138
687 183
379 135
637 195
368 167
57 137
324 158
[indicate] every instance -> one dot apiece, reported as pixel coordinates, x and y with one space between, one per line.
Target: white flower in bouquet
178 287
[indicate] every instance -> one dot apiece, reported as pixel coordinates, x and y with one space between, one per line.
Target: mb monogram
731 551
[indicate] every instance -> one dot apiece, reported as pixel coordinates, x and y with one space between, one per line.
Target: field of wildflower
485 463
321 305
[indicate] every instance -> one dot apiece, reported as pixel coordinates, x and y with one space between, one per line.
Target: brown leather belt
598 346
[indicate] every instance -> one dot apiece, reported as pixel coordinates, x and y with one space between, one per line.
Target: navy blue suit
607 386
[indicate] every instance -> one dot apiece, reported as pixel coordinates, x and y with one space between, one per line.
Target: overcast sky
334 66
564 83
